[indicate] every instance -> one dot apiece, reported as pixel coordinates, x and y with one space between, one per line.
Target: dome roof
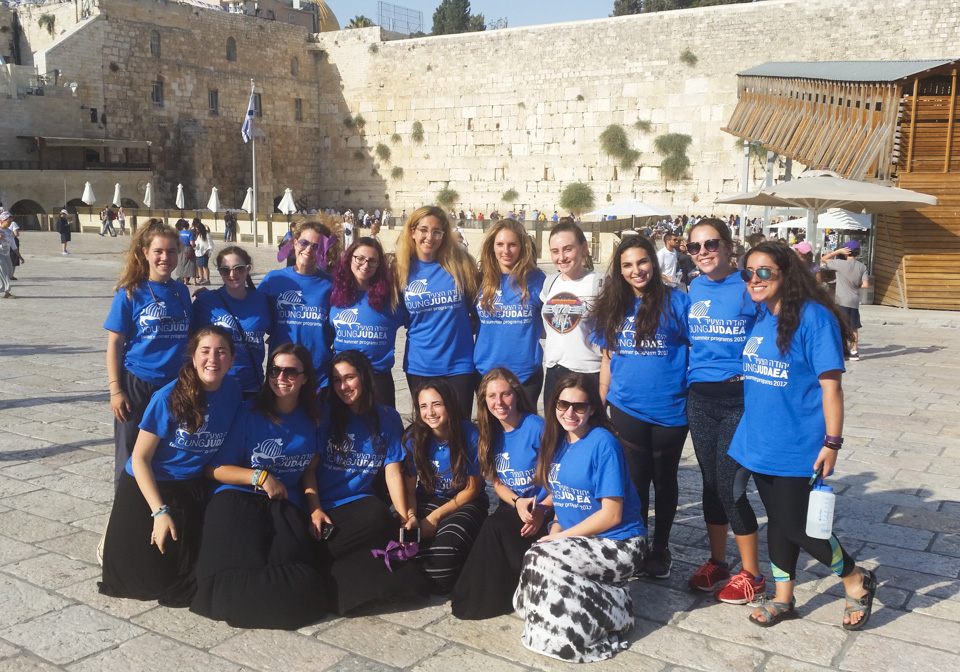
328 22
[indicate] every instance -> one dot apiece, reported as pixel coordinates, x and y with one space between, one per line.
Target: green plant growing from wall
614 143
416 132
609 198
510 196
373 171
673 147
522 105
349 122
395 138
643 125
383 152
359 121
577 197
688 57
446 197
358 154
373 48
347 192
397 173
580 97
321 54
47 21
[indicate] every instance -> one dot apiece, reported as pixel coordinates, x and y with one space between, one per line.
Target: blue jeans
108 225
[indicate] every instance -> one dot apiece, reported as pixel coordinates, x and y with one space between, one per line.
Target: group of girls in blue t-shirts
252 486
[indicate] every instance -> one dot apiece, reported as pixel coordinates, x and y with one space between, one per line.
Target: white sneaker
65 252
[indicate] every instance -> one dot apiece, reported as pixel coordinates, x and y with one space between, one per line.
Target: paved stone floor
898 509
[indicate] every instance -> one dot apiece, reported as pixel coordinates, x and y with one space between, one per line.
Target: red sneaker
742 589
709 577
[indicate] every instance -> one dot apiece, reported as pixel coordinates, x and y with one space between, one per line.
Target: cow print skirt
574 599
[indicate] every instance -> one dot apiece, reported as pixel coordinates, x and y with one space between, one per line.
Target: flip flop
776 612
863 604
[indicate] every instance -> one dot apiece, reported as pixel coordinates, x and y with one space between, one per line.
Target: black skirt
258 564
492 572
361 526
132 566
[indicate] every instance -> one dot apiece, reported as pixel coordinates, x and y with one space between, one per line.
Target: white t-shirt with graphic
565 306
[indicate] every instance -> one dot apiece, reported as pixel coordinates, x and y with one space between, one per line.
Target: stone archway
25 213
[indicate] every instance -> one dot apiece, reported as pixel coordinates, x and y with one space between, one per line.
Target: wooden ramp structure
891 122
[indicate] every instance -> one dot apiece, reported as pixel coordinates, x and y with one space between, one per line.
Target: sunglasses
579 407
239 268
304 244
285 371
711 245
762 273
365 261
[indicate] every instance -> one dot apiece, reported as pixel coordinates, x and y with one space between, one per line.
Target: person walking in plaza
573 593
229 228
106 219
243 312
63 228
202 248
153 535
444 481
7 241
365 312
258 565
721 316
147 331
567 298
669 261
509 306
792 424
851 278
642 328
122 221
508 448
16 259
187 266
299 297
437 282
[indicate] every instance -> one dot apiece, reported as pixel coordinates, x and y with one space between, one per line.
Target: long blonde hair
490 267
136 269
451 257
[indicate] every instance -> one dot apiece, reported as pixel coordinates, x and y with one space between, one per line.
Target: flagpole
253 144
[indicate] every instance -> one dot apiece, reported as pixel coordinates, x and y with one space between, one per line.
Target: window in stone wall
257 110
231 49
295 67
155 43
93 115
292 18
298 109
213 102
156 94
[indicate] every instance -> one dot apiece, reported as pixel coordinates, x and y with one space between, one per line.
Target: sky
517 12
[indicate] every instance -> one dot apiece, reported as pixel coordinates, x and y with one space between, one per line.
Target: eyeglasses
239 268
304 244
763 273
428 233
579 407
711 245
365 261
285 371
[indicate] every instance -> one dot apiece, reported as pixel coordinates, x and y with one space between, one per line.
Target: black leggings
464 386
785 498
653 454
384 389
125 433
713 411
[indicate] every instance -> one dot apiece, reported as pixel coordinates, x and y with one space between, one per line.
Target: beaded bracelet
255 481
162 511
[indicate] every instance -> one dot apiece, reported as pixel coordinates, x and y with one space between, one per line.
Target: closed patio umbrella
214 203
116 195
287 206
179 201
88 196
148 197
248 201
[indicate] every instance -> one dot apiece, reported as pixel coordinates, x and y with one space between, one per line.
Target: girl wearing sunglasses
642 328
444 481
365 312
572 594
147 332
258 563
437 281
299 297
793 364
508 447
161 492
243 311
721 316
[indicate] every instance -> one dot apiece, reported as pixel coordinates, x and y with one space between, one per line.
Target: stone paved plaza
899 510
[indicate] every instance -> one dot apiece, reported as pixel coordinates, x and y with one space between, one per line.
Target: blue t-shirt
652 384
180 456
284 450
515 455
373 333
782 428
584 472
439 333
254 317
720 317
510 336
186 237
439 455
341 483
155 327
299 310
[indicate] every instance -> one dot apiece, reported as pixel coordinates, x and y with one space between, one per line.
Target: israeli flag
247 129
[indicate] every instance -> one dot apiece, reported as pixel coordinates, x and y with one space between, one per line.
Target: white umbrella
116 195
634 208
148 197
179 200
287 206
248 201
88 196
214 203
837 219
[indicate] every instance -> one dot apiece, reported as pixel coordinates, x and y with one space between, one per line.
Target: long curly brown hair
490 428
188 401
136 268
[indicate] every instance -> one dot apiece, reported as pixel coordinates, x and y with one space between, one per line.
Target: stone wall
66 15
523 108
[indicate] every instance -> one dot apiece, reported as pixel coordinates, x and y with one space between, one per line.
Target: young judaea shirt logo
710 329
291 308
155 320
750 349
348 317
269 455
564 311
511 477
565 496
699 310
417 288
418 297
200 439
288 300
